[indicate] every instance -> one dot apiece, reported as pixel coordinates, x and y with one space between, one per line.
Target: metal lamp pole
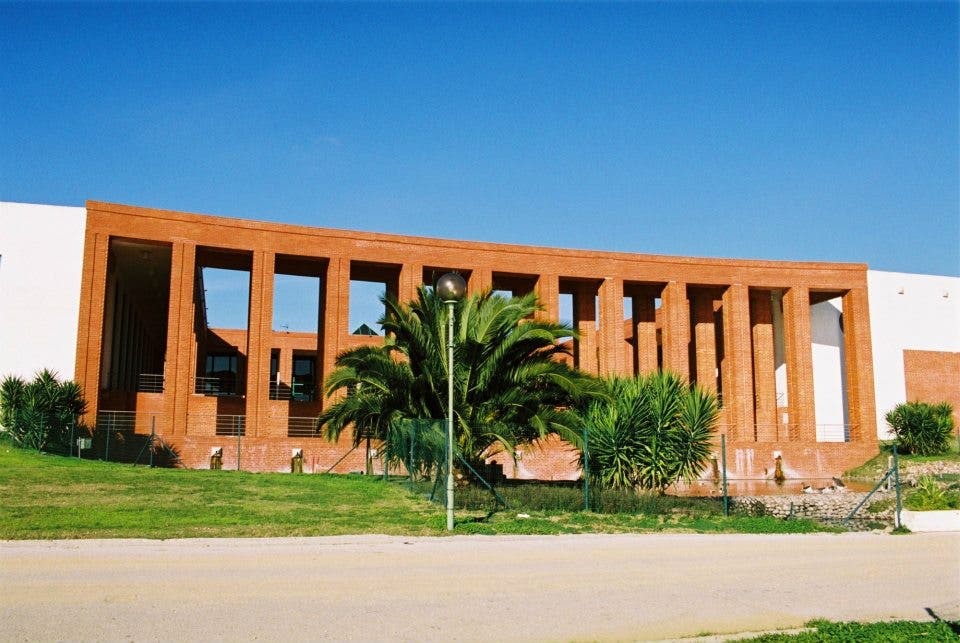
450 288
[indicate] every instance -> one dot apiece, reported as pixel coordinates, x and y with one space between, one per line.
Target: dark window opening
220 375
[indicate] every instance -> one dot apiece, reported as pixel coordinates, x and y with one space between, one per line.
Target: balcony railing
302 427
298 391
150 383
215 386
231 424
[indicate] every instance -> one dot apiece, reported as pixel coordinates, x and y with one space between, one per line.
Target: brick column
858 351
645 334
585 321
336 313
259 337
799 354
705 342
411 278
675 328
93 284
764 366
612 337
737 362
548 294
481 280
179 370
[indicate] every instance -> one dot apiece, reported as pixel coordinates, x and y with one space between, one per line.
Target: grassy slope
874 468
44 496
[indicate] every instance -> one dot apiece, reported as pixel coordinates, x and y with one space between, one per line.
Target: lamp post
450 288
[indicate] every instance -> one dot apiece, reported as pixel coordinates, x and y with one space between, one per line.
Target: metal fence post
153 426
586 469
413 437
896 483
70 444
238 443
723 456
106 449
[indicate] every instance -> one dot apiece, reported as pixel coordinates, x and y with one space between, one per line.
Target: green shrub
38 415
930 496
922 428
652 431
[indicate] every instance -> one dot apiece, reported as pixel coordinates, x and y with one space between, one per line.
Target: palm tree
509 385
656 430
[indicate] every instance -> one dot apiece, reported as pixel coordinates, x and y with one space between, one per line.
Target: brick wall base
551 459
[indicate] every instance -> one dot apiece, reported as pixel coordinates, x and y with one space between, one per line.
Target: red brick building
146 357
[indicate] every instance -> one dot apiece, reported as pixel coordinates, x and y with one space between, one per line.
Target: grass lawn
47 496
894 631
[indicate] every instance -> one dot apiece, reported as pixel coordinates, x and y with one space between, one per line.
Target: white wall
908 312
829 371
41 259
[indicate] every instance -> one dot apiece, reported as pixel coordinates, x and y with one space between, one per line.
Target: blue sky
764 130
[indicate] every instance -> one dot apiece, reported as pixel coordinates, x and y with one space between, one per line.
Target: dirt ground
468 588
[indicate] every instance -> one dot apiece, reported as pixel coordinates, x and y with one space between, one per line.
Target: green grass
874 468
47 496
893 632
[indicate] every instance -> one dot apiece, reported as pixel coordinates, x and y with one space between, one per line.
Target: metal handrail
150 383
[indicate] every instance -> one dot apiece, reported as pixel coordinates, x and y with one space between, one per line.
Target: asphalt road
468 588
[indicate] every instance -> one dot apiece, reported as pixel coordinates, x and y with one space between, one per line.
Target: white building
41 258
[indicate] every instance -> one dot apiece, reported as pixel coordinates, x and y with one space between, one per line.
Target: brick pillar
179 370
585 321
548 294
858 352
764 366
481 280
612 337
799 354
336 313
705 342
285 366
645 334
738 362
675 328
259 337
411 278
93 284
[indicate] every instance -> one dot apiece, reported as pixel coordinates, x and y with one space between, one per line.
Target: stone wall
827 507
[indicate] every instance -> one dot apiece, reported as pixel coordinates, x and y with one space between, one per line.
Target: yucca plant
656 431
38 415
922 428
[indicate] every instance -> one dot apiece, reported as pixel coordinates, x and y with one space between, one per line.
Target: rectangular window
304 383
220 375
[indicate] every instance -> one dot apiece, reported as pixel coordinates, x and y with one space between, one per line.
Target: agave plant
656 431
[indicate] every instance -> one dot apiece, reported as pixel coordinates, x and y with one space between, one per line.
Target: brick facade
709 320
933 376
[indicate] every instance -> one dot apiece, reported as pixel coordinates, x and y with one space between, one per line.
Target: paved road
469 588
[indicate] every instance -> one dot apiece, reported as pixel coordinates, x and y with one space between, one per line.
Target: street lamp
450 288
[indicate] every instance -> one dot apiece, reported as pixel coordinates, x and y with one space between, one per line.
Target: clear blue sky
769 130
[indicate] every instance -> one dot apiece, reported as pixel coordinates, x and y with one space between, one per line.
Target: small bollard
216 458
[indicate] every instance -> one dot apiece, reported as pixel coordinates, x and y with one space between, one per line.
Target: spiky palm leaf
39 414
656 431
508 387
